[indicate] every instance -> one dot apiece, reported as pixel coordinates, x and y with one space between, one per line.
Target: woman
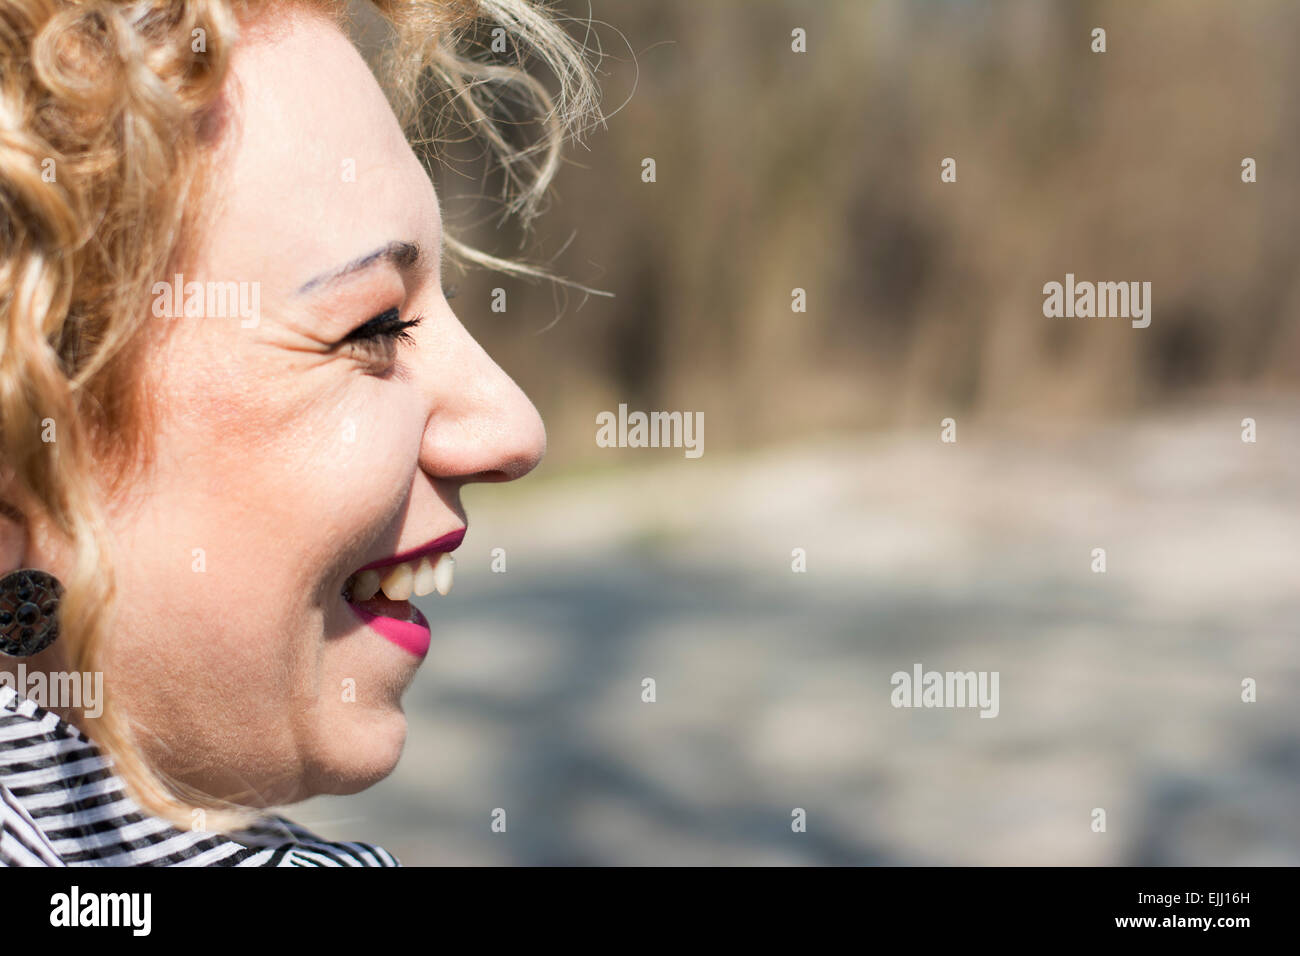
236 407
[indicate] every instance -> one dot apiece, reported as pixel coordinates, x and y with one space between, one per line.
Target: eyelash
385 330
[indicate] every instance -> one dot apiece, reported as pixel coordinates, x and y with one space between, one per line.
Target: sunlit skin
284 459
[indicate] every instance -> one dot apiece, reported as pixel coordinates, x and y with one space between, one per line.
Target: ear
13 538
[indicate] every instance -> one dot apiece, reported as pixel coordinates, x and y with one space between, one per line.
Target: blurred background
778 170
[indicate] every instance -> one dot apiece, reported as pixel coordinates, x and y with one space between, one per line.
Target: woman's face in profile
296 446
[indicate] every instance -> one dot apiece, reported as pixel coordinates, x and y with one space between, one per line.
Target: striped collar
61 804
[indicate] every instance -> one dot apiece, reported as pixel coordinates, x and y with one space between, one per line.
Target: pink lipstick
379 593
448 542
413 634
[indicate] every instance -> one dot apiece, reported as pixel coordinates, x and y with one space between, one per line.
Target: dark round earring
29 612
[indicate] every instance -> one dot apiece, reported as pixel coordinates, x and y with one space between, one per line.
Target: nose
481 427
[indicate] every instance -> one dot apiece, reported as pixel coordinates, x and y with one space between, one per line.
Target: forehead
313 167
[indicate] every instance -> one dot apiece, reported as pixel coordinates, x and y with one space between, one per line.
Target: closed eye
376 340
385 326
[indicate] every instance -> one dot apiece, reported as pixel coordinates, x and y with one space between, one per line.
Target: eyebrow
403 255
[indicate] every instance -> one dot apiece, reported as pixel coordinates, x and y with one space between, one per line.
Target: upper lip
448 542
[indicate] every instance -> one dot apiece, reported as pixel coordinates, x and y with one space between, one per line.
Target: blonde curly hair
105 111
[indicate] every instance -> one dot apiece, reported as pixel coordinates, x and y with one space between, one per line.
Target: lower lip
413 636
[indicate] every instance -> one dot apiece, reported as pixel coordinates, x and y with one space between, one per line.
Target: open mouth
380 592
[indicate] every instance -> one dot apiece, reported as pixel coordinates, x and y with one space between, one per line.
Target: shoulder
21 841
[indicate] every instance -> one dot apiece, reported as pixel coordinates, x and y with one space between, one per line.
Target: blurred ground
1119 691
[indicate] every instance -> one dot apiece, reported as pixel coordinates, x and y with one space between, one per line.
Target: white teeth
402 581
365 586
397 582
443 571
425 581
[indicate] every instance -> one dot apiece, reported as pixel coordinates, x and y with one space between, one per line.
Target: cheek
275 476
262 499
287 464
364 460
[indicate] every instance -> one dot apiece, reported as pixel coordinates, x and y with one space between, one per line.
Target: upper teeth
400 581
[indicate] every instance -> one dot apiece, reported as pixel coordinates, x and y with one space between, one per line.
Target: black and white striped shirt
62 805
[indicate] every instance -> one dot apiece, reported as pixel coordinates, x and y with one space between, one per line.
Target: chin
359 754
